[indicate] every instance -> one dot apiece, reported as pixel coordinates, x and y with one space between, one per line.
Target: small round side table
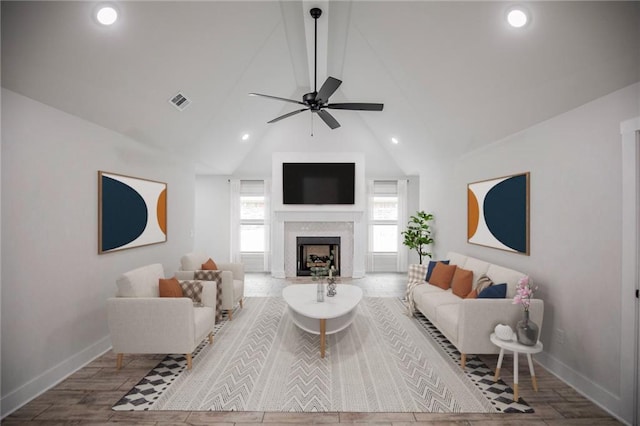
516 348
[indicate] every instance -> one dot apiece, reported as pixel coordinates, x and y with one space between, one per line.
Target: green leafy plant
418 234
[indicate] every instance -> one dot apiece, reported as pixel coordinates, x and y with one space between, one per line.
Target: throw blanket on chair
207 275
417 275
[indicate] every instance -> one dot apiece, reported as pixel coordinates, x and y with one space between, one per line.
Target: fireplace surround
287 226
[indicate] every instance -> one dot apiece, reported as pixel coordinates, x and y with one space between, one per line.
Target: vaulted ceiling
452 75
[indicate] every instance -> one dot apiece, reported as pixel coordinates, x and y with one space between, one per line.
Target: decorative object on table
526 330
503 332
132 212
498 213
318 273
320 292
418 234
331 283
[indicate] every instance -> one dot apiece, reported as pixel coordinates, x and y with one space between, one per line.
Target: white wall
212 234
54 284
575 204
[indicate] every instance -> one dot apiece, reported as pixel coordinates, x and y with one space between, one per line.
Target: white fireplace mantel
319 219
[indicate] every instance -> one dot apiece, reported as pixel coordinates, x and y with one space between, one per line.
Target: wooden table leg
533 373
500 357
323 336
515 376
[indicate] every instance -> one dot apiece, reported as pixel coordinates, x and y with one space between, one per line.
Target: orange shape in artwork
162 211
473 214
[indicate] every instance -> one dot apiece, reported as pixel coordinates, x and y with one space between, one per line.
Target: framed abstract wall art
132 212
498 213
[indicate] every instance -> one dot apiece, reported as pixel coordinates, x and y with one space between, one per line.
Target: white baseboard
45 381
600 396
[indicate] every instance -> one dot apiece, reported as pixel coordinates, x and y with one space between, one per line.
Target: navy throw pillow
432 264
496 291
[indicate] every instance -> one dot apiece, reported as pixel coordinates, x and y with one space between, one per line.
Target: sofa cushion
432 264
140 282
192 290
169 287
496 291
442 275
209 265
456 259
500 274
425 288
462 282
429 303
479 267
192 261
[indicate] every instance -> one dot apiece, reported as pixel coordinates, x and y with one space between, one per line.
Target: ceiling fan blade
328 118
276 97
357 106
330 85
287 115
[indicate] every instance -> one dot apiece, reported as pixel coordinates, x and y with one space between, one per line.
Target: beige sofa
468 323
142 322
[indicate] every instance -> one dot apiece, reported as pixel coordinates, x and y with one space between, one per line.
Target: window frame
259 222
384 222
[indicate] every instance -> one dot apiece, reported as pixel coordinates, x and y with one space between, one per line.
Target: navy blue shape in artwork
124 214
505 212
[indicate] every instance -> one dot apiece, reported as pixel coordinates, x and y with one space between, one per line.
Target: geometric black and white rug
384 361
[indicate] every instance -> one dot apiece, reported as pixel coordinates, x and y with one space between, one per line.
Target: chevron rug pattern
383 362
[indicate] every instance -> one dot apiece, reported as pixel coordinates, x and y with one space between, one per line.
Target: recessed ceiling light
517 17
107 15
395 141
245 137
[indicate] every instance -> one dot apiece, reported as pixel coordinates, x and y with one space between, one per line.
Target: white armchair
142 322
232 278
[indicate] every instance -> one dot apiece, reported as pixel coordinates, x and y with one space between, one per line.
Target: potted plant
418 234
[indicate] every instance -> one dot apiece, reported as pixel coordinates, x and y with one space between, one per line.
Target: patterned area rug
383 362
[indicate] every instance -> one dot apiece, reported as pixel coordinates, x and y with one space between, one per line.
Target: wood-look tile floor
87 396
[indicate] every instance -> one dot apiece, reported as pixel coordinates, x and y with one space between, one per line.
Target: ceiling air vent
180 101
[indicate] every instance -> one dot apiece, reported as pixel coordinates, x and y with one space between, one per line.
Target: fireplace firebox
315 252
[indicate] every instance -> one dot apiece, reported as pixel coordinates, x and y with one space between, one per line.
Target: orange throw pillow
170 287
209 265
442 275
462 282
472 295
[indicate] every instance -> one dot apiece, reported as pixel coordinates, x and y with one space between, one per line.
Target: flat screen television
318 183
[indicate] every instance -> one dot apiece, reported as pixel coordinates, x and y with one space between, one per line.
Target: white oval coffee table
328 317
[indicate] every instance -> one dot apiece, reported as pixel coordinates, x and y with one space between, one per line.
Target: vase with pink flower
526 330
